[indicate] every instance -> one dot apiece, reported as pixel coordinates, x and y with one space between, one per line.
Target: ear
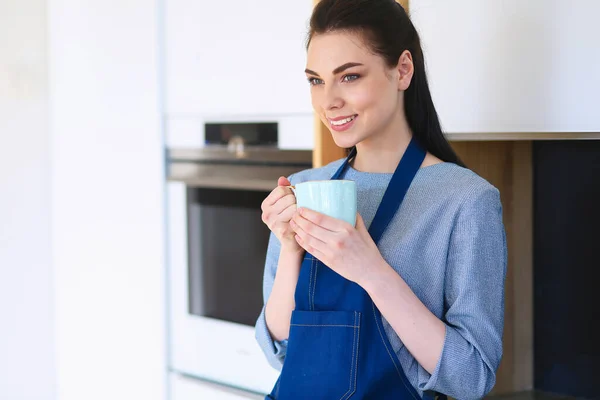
405 69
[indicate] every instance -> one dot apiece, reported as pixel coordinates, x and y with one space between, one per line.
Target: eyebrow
336 71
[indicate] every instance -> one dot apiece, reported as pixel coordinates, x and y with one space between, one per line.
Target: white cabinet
183 388
512 65
236 57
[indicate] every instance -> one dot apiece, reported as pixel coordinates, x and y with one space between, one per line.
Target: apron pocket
322 355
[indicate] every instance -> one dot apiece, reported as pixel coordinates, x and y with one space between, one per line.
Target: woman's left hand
347 250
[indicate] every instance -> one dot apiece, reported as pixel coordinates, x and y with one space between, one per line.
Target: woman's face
352 90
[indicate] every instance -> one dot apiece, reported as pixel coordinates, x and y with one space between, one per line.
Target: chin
344 140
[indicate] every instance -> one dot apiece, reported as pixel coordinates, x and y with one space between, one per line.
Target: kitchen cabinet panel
236 57
512 65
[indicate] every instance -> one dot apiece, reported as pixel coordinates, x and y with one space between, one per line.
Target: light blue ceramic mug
336 198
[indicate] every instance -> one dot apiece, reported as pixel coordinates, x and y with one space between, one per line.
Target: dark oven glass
227 250
253 133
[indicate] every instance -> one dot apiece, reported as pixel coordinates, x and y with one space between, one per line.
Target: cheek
313 99
362 99
316 100
373 105
373 96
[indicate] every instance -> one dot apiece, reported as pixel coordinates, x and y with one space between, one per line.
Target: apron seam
353 353
310 305
389 354
357 350
315 284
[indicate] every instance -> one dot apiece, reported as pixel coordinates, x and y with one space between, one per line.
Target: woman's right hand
278 208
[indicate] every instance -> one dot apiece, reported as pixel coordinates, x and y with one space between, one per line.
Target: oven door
217 247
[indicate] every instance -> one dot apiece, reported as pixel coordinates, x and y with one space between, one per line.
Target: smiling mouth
342 124
342 121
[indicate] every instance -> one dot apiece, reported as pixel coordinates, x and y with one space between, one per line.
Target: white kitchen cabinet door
512 65
236 57
183 388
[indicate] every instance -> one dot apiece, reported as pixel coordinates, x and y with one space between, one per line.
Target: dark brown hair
388 32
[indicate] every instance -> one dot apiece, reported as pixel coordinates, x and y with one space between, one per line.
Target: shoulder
461 187
312 174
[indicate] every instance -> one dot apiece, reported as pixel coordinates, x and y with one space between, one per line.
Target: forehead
330 50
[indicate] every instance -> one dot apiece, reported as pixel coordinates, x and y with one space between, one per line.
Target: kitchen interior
207 107
513 86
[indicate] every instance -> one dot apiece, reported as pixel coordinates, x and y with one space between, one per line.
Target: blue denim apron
337 347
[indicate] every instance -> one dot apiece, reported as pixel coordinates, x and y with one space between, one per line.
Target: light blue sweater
447 241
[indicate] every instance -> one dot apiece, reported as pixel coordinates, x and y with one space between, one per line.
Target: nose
332 98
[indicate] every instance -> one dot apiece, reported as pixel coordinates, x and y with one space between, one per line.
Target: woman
412 306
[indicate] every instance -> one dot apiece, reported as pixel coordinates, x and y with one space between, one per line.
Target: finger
310 247
287 214
283 203
305 236
281 190
283 181
273 214
360 223
361 227
313 229
275 195
324 221
313 251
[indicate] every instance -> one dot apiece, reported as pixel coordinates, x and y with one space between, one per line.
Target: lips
342 123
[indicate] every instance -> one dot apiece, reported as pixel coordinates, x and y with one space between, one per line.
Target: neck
382 152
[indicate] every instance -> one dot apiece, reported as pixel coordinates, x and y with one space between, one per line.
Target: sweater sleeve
473 300
274 351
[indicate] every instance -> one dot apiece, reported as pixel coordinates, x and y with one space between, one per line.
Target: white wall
107 200
26 300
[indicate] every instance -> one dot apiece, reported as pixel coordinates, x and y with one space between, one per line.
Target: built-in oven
217 246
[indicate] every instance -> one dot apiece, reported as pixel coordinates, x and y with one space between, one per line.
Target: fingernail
301 211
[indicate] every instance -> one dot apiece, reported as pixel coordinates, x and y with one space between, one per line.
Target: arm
420 330
279 283
282 268
281 303
461 353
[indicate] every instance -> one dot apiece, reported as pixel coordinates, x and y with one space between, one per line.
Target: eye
350 77
314 81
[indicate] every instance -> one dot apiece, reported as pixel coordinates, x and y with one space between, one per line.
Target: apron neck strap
394 195
340 172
